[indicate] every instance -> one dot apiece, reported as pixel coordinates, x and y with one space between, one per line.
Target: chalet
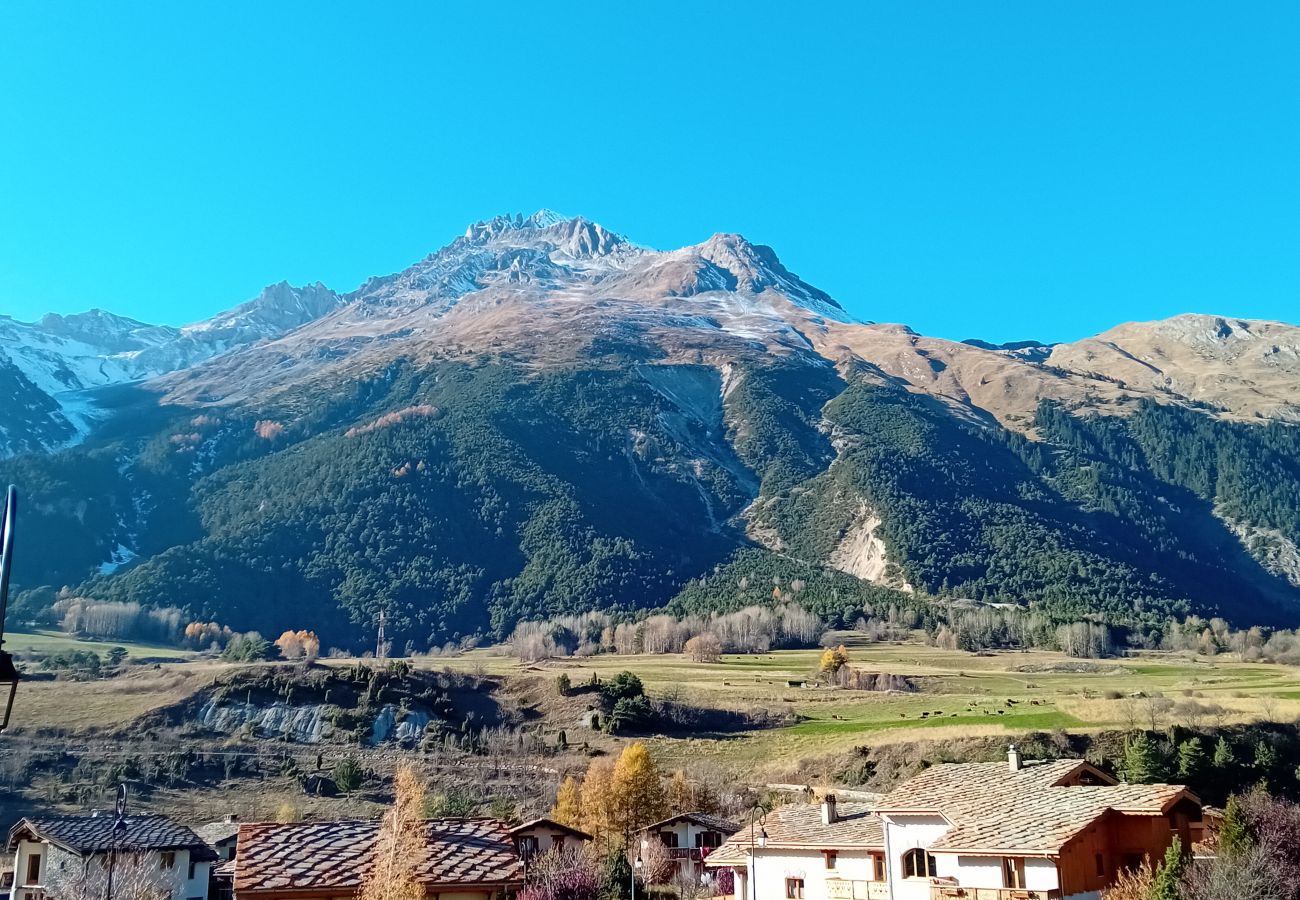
53 851
464 859
1014 830
690 838
545 835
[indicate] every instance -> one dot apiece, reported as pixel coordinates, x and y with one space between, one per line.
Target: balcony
953 892
846 889
692 853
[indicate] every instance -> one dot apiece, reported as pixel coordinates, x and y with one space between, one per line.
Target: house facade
690 838
463 859
55 851
545 836
832 850
1059 830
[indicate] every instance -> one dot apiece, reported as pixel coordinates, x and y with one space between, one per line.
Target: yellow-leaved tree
401 844
637 788
599 806
679 797
568 803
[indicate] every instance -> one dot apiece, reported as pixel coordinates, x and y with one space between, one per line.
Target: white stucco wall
773 867
903 833
57 863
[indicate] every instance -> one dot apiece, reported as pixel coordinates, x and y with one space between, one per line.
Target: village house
222 837
1014 830
832 849
544 836
60 850
464 859
690 838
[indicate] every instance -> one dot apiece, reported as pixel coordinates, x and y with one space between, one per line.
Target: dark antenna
8 674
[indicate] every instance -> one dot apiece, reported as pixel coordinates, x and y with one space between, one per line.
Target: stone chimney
230 818
828 809
1014 762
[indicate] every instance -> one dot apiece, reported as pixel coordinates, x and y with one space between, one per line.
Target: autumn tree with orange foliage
299 645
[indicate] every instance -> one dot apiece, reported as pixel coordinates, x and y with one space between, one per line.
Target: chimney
230 818
828 809
1014 762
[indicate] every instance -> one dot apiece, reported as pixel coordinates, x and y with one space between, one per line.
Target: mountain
49 369
545 417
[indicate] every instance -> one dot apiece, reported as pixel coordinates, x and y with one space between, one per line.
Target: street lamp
8 673
757 816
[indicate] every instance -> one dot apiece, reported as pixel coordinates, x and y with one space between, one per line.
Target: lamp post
119 829
757 816
636 866
8 673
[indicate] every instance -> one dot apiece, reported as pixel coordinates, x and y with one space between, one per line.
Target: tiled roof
94 834
799 825
1028 811
337 855
708 820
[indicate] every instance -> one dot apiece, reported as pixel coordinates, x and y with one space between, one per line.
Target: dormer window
918 864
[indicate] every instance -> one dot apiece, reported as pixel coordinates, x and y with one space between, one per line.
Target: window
1013 872
34 869
1101 866
167 859
1133 861
669 839
557 843
191 875
710 839
918 864
794 889
830 858
877 867
527 846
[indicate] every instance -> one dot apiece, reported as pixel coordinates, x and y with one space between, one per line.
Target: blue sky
998 170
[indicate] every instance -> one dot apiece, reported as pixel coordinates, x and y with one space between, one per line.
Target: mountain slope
544 417
50 369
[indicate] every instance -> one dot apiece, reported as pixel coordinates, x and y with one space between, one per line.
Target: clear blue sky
1000 169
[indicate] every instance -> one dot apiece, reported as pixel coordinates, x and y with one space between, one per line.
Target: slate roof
335 856
1037 809
94 834
708 820
551 824
799 826
215 833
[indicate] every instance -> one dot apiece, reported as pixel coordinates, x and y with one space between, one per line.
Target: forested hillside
462 498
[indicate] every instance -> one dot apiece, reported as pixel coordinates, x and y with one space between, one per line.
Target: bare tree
136 876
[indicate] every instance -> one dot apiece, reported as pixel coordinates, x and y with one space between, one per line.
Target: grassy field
962 695
40 643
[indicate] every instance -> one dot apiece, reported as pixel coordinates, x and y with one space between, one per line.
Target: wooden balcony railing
847 889
953 892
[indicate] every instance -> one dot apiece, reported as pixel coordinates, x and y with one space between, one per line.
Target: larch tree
597 801
679 797
401 844
568 803
638 791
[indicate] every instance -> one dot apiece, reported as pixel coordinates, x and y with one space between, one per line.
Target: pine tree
1265 756
1169 876
401 845
1224 758
568 803
679 797
1191 759
1234 836
637 789
1141 762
